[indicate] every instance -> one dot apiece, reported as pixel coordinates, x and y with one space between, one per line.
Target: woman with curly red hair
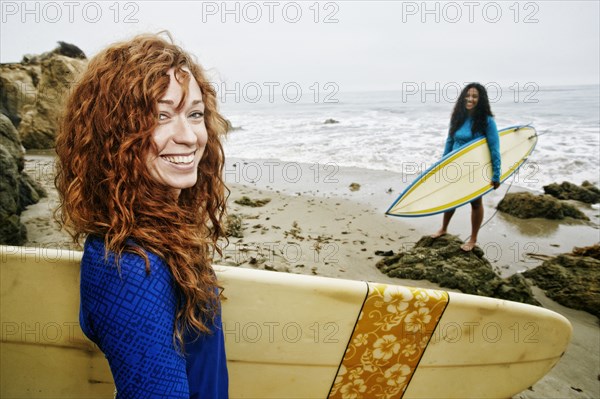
140 177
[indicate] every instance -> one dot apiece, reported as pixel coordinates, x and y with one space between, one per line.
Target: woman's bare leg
476 220
445 222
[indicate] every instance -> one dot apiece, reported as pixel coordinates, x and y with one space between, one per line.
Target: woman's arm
132 319
449 145
493 141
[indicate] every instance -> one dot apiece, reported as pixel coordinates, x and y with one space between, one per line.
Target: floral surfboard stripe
388 341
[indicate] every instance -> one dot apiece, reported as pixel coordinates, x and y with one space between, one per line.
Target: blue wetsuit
131 318
464 135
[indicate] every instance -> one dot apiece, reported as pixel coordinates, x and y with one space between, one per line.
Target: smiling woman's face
180 136
471 99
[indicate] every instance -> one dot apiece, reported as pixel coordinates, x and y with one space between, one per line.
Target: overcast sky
359 45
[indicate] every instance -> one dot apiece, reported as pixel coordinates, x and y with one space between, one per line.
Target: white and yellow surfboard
464 175
290 336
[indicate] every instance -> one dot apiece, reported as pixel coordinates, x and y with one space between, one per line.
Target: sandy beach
315 223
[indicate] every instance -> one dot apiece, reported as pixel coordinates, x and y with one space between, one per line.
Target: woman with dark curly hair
140 177
471 119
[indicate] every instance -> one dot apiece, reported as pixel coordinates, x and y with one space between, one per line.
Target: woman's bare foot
439 233
468 246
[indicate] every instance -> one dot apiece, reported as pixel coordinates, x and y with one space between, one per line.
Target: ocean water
405 132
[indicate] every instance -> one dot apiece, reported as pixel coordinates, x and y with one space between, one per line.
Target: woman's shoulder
491 122
130 265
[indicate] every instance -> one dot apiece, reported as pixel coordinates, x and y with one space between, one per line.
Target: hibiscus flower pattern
393 329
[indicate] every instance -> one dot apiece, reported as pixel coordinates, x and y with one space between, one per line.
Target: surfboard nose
489 348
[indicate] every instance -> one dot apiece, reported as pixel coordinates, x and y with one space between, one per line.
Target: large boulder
12 232
17 189
587 192
440 260
572 279
18 89
526 205
33 93
9 139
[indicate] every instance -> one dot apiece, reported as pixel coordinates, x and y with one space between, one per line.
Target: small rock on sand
246 201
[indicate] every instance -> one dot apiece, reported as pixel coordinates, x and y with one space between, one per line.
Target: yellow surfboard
290 336
464 175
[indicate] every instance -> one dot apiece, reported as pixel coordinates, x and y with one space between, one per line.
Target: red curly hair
104 183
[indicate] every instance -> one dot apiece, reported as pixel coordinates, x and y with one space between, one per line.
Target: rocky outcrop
526 206
572 279
587 192
69 50
33 92
440 260
63 48
231 128
18 87
17 189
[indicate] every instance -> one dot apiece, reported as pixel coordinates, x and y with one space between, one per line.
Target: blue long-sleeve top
464 135
131 316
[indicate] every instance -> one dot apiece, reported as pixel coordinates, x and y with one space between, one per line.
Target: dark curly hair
480 113
106 188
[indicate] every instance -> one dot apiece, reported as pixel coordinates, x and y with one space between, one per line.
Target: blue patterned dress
131 315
